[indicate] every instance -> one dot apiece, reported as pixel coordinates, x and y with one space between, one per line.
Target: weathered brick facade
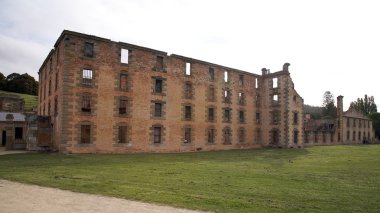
106 96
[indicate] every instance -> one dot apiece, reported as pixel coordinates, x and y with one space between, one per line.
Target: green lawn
30 100
317 179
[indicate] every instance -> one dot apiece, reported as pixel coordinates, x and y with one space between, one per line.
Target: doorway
4 138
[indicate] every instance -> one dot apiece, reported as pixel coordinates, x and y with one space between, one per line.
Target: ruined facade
106 96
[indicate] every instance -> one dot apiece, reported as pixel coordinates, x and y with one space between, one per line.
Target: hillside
30 100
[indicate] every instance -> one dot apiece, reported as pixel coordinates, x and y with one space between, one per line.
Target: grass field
317 179
30 100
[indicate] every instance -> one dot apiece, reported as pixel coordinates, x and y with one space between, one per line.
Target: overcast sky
331 44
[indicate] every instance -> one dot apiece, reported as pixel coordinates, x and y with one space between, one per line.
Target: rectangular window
157 109
51 65
188 112
348 135
211 136
187 135
256 83
188 90
295 138
56 81
241 135
158 86
55 106
159 63
49 88
124 56
123 107
157 135
227 136
295 118
258 117
211 114
241 98
315 137
211 94
241 80
227 115
306 137
275 82
211 74
18 133
241 117
275 98
225 76
87 76
275 119
348 122
122 136
257 100
227 96
86 103
88 49
85 134
124 82
49 107
188 68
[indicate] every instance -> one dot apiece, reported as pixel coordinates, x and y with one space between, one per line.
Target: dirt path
20 198
3 152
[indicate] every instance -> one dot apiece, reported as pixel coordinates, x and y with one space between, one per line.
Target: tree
21 83
314 111
366 106
2 81
375 117
328 105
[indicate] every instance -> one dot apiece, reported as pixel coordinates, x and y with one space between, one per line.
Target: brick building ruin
114 97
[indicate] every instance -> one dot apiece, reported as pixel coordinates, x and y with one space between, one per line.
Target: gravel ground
20 198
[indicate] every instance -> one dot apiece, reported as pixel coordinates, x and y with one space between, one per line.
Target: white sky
331 44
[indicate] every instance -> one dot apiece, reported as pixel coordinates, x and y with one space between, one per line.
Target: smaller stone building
20 129
13 130
350 127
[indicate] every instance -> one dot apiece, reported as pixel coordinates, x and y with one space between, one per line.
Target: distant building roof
11 116
353 113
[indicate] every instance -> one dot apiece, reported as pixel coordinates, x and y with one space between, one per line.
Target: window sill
159 93
85 145
86 113
122 144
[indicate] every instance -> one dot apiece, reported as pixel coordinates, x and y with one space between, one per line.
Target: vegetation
375 117
314 111
366 106
317 179
328 104
30 100
19 83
